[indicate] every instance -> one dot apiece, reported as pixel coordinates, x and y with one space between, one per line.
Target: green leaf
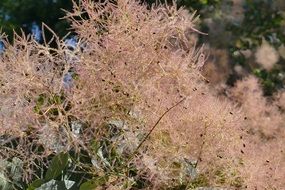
89 185
92 184
52 184
204 2
58 164
35 184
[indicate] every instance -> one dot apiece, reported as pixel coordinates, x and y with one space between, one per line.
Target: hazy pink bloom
266 55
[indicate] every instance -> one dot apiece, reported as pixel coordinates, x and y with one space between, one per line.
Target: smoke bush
264 138
131 87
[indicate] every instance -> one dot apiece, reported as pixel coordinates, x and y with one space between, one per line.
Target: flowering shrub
126 107
264 139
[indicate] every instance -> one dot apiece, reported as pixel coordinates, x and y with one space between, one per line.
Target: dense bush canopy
127 106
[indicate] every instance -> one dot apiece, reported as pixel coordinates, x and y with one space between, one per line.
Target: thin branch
153 127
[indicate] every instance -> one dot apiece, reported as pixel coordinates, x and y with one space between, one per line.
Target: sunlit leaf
93 184
58 164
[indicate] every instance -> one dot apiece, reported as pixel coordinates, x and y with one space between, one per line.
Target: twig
154 126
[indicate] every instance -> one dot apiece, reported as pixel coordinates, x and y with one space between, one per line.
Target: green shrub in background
262 21
240 26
